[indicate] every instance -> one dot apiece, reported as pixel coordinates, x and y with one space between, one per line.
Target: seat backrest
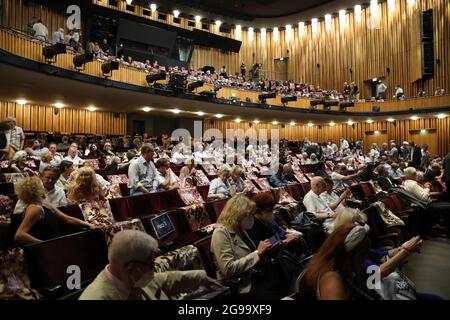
357 191
296 191
165 200
203 190
7 188
139 206
120 208
52 262
215 208
367 189
204 248
306 186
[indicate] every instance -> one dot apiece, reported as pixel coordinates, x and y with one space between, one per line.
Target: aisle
430 270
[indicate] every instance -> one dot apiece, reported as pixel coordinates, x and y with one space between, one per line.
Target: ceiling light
288 32
238 32
128 1
423 131
411 2
200 113
342 17
391 5
176 13
390 119
250 33
414 118
263 34
358 13
59 105
441 116
218 23
332 123
369 121
314 24
292 123
176 111
256 121
237 120
350 122
328 21
198 19
301 28
153 7
376 132
374 8
275 34
274 123
21 101
146 109
91 108
219 115
310 124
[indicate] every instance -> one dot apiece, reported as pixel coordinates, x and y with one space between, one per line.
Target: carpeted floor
430 270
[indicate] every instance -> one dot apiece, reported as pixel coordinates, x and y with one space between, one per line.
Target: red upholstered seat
203 190
214 208
120 208
204 247
296 191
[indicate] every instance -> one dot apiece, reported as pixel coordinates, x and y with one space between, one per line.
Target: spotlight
439 116
414 118
328 104
58 105
285 100
153 7
108 67
81 59
176 13
219 116
176 111
262 97
146 109
50 52
315 103
194 85
23 102
91 108
150 78
198 19
292 123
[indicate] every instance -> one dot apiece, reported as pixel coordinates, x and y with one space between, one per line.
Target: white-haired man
15 135
130 272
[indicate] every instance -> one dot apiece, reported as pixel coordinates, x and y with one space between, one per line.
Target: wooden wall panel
43 118
368 52
403 130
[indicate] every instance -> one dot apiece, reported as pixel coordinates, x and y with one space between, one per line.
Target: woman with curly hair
85 186
40 219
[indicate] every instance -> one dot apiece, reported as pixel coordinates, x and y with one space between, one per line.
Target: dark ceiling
244 9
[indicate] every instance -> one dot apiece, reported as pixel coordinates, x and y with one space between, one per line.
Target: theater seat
296 191
50 263
203 190
214 208
204 248
119 208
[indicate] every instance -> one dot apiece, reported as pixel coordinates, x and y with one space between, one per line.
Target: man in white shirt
333 201
57 158
15 135
398 92
315 204
74 158
54 194
339 176
165 179
344 144
58 36
40 31
142 171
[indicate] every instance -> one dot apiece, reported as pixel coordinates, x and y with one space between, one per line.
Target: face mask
144 280
247 223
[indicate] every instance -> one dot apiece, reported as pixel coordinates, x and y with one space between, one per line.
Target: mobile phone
275 240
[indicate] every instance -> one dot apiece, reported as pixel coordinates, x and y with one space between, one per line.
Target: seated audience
340 177
219 187
66 169
94 153
18 163
187 173
57 158
46 160
165 179
279 179
72 156
236 183
384 181
107 149
142 171
333 201
233 251
130 273
39 220
85 187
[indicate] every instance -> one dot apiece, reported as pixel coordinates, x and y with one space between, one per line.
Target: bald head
318 185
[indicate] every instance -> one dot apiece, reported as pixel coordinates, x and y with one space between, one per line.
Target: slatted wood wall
399 131
367 52
33 117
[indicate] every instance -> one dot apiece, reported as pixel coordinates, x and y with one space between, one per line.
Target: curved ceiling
245 9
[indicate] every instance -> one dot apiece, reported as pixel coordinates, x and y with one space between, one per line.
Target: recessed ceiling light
292 123
369 121
237 120
200 113
310 124
350 122
256 121
441 115
218 23
59 105
176 111
219 115
153 7
198 19
176 13
21 101
91 108
146 109
274 123
414 118
332 123
390 119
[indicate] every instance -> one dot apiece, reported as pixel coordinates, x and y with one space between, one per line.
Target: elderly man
142 171
15 135
130 273
317 205
54 194
165 178
339 176
384 181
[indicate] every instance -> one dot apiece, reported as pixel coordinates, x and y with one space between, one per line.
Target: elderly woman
46 160
187 173
236 183
39 220
85 186
18 163
234 253
219 187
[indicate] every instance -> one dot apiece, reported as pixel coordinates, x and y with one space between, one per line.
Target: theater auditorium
241 150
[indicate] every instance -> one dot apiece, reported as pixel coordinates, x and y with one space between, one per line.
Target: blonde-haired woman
85 186
46 160
219 187
234 253
39 220
236 183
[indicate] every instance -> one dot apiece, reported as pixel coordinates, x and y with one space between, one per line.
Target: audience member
220 187
142 171
165 179
85 186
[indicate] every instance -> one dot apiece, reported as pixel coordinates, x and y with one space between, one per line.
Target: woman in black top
38 222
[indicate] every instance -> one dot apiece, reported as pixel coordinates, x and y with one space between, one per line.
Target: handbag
306 223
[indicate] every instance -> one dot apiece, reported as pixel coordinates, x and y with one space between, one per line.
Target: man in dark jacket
415 155
384 181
